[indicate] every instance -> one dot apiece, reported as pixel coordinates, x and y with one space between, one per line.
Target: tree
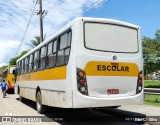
151 54
13 60
4 67
150 51
157 34
35 42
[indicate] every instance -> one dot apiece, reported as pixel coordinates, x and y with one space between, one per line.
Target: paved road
11 106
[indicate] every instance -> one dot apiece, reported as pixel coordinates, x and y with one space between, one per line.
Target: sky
15 15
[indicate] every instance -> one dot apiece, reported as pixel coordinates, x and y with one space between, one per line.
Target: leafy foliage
35 42
13 60
151 53
4 67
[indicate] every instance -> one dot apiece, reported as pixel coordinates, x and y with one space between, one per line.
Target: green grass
152 100
151 103
152 84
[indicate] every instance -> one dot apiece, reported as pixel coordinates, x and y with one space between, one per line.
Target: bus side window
42 62
49 55
66 56
67 50
26 65
31 63
36 60
54 52
20 68
23 65
64 49
60 58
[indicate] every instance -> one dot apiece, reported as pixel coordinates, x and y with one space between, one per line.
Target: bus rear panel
109 65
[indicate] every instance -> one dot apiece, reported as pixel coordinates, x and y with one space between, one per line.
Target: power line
98 4
93 7
25 32
31 9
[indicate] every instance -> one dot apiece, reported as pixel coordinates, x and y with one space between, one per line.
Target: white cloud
7 50
15 14
3 64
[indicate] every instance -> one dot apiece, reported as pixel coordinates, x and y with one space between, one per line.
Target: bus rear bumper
10 87
82 101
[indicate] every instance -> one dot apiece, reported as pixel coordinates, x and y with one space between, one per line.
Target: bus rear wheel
21 99
39 106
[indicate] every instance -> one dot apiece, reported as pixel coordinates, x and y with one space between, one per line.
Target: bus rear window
109 37
11 70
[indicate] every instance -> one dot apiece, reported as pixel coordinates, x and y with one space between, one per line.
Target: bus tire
39 106
21 99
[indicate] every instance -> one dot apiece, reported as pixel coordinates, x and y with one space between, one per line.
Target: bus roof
85 19
110 21
8 67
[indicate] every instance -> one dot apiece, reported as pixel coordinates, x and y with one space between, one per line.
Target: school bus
9 77
90 62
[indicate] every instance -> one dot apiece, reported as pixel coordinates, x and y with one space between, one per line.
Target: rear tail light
140 75
82 82
139 82
81 74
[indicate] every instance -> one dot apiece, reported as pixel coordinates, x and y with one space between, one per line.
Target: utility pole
41 20
42 14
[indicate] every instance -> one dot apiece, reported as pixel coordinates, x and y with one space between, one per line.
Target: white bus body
104 66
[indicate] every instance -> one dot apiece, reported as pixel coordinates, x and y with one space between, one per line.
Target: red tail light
82 82
139 83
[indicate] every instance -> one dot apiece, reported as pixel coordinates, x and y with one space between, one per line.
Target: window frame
114 25
47 56
39 65
30 63
26 65
22 63
35 61
18 65
58 47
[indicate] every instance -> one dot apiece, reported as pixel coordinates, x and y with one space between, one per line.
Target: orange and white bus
91 62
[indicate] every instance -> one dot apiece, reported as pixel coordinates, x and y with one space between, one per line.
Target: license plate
113 91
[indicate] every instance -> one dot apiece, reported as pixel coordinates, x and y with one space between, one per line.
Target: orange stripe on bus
95 68
47 74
